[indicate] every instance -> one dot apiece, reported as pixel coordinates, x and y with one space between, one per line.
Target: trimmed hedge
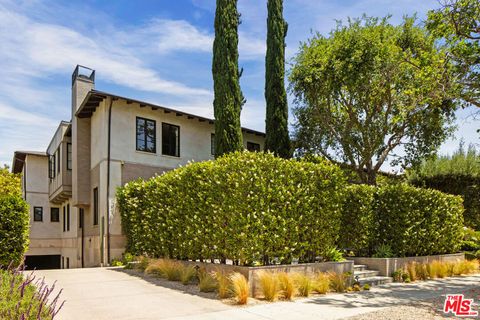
465 185
246 207
14 220
254 208
411 221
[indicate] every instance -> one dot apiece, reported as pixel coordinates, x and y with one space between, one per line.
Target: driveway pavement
102 293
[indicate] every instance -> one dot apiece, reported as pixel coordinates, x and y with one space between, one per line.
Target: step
365 274
375 281
359 267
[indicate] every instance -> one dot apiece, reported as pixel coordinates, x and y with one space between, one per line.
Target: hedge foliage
14 220
247 207
410 221
256 208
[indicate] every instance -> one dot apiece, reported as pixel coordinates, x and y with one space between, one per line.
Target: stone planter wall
251 273
386 266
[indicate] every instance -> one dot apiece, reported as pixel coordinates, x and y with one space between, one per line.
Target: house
110 141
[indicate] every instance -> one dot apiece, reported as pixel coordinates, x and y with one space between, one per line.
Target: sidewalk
99 293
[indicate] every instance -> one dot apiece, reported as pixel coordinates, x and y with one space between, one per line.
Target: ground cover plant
23 296
436 269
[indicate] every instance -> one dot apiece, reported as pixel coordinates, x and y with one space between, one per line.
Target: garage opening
42 262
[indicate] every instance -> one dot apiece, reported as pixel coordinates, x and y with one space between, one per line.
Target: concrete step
375 281
365 274
359 267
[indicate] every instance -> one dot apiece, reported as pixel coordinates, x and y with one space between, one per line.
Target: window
54 214
95 206
63 262
68 263
58 159
69 156
37 214
212 144
51 167
146 135
68 217
64 219
251 146
170 140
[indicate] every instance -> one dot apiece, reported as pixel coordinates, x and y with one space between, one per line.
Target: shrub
187 274
421 271
322 283
269 285
143 263
415 221
207 282
14 220
333 254
23 297
358 220
304 284
466 267
223 284
338 281
287 285
366 287
411 270
250 207
383 251
240 287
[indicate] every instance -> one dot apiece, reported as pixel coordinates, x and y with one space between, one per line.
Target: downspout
108 178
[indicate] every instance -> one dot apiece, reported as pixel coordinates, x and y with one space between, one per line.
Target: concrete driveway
102 293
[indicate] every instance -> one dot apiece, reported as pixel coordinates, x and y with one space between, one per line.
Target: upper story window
212 144
146 135
252 146
170 140
95 206
69 156
37 214
58 159
51 167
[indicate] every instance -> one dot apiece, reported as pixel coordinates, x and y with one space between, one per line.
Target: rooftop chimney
83 80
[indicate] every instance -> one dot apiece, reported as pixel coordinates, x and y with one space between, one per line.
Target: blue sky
155 50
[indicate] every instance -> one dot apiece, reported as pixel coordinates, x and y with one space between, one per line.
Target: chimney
83 80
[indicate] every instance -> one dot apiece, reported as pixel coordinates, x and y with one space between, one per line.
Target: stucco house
109 141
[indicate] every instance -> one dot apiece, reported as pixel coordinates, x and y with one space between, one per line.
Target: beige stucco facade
104 156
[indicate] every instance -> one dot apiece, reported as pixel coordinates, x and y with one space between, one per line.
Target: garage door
42 262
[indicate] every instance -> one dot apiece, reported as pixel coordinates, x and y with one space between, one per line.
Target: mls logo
459 306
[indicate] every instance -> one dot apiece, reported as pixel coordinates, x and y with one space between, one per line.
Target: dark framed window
95 206
64 219
58 159
212 144
170 140
69 156
37 214
146 135
68 263
252 146
51 167
54 214
68 217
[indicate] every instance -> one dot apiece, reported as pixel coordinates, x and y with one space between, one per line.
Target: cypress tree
276 122
228 98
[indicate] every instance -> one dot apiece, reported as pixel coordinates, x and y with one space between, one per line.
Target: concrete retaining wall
251 273
386 266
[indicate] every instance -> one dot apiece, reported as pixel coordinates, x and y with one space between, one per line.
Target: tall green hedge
465 185
411 221
14 220
247 207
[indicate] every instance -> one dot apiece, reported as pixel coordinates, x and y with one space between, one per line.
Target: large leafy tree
457 24
370 90
277 138
228 98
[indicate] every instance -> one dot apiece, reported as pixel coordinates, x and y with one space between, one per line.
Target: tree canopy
369 90
457 25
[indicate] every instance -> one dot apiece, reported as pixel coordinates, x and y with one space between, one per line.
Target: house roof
95 97
19 159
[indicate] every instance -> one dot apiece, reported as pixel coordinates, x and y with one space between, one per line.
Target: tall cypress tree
227 103
277 139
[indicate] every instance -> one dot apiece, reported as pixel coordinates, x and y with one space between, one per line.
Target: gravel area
400 313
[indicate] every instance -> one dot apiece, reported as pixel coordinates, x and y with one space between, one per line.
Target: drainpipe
108 179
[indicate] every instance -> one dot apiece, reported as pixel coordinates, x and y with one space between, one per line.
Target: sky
153 50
